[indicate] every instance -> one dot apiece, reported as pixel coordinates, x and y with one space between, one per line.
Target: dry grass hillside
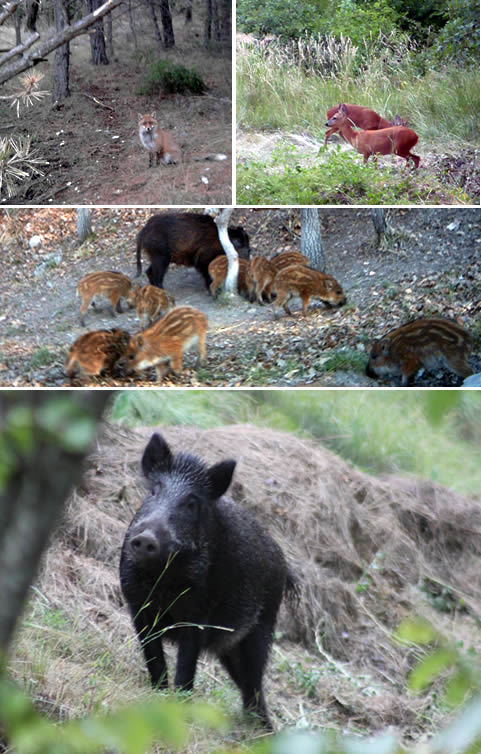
368 552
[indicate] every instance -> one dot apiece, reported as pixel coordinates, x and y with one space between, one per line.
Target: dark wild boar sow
198 570
184 238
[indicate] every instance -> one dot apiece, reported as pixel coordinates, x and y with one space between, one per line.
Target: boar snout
145 546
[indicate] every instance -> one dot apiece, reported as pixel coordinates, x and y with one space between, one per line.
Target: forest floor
431 265
91 143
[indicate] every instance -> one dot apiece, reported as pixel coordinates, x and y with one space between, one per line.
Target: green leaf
429 668
439 402
459 687
416 631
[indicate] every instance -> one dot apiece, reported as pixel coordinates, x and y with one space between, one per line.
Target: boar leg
202 351
245 664
187 656
115 303
152 648
460 366
305 303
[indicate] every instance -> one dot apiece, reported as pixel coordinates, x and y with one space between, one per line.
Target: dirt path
432 265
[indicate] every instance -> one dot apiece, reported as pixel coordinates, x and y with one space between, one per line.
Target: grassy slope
379 431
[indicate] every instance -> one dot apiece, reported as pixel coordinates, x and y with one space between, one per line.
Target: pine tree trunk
155 24
225 24
61 70
31 15
222 222
84 224
380 226
215 19
109 36
97 38
168 29
208 23
311 240
132 23
18 26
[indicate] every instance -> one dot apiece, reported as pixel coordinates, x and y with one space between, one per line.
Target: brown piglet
286 258
114 285
150 302
429 343
218 272
260 275
96 352
306 283
163 344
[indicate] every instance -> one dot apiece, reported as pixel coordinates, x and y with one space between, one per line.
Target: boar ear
220 476
157 457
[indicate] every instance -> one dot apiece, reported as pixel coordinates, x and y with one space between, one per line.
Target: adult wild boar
198 570
184 238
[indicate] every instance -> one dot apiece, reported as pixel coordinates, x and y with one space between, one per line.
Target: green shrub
164 75
360 21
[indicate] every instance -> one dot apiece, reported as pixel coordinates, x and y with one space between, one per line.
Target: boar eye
190 503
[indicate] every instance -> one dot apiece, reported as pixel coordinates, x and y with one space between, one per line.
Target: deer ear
342 109
220 477
139 341
157 457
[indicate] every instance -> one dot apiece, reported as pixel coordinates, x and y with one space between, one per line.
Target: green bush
164 75
360 21
279 17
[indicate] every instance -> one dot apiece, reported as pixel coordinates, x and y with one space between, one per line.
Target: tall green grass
290 86
378 431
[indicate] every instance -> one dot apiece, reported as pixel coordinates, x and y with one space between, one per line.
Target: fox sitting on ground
157 141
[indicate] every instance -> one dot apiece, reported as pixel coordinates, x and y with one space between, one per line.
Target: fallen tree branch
8 10
67 33
98 102
20 48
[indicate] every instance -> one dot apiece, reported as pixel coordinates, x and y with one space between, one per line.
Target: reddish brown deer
397 140
363 118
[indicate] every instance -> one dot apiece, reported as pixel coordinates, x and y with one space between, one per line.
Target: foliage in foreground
343 178
135 729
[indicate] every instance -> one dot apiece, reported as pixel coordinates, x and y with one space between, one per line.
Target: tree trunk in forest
225 7
311 240
31 15
208 23
222 222
157 34
56 431
84 223
109 36
61 68
132 23
378 218
97 38
18 26
168 29
215 20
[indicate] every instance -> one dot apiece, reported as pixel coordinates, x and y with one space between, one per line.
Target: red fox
157 141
